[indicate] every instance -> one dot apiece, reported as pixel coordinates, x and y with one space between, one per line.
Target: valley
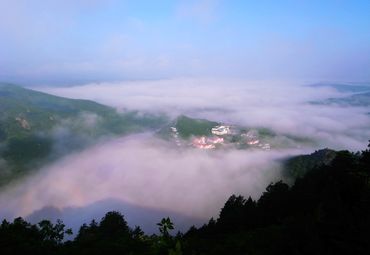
204 134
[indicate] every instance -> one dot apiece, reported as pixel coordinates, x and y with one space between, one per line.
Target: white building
221 130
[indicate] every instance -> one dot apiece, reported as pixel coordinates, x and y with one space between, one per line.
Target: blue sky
74 41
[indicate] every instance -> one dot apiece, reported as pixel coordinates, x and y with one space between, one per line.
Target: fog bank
284 107
146 172
147 177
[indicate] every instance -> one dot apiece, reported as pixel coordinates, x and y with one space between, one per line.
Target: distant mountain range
360 99
357 94
350 87
36 127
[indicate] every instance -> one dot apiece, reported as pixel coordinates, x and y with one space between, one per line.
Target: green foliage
53 233
298 166
177 250
165 243
266 133
325 212
188 127
113 225
112 236
21 237
36 127
22 151
164 226
265 138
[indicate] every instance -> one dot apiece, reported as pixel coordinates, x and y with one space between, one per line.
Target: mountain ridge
36 127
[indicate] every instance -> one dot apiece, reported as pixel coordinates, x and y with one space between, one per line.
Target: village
222 136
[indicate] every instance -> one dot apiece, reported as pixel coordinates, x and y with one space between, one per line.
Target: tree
53 233
164 226
114 225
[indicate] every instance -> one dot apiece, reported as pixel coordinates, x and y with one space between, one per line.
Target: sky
78 41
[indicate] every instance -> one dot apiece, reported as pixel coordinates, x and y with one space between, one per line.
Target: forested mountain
206 134
298 166
36 127
327 211
187 127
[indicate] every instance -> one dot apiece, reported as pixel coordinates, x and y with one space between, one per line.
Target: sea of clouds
285 107
147 177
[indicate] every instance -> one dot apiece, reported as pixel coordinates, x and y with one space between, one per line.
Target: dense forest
326 211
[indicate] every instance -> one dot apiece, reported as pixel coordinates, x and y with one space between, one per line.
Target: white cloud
146 172
282 106
150 173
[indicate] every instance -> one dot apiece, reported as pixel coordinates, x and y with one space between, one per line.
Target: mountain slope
36 127
187 127
206 134
298 166
39 111
325 212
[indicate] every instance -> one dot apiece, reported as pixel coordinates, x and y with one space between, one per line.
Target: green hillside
298 166
36 127
188 127
193 127
185 131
